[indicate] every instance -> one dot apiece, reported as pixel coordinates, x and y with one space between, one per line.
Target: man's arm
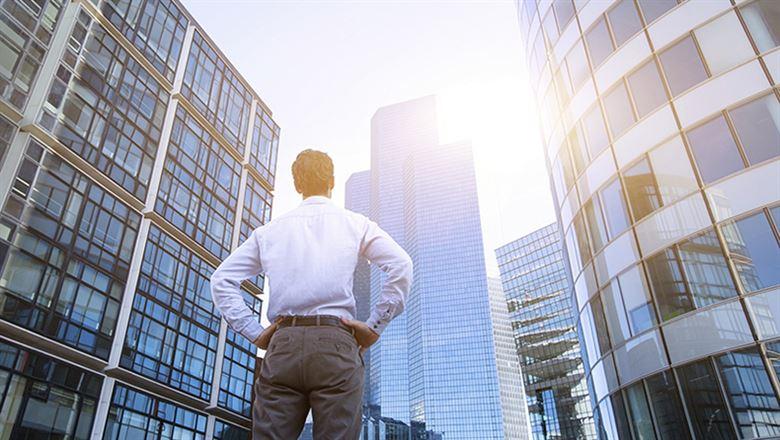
240 265
383 251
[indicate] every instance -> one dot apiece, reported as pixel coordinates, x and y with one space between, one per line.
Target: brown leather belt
306 320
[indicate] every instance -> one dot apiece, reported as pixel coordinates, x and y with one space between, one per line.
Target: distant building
133 158
513 407
424 195
660 125
537 290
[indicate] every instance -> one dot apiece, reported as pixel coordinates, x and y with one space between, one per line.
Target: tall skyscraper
538 295
435 366
356 198
513 408
660 124
133 158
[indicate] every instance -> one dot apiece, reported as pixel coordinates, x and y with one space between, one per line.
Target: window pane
714 150
723 43
750 393
683 66
673 171
577 147
758 126
706 270
578 65
624 21
614 208
754 251
653 9
582 239
669 286
598 234
642 190
640 412
647 88
618 109
595 132
669 415
763 20
601 325
564 11
615 313
636 298
550 28
599 42
705 403
773 353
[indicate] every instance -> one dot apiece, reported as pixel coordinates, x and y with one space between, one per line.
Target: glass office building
538 295
660 123
512 391
133 158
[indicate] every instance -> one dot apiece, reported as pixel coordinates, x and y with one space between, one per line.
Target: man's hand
264 339
364 335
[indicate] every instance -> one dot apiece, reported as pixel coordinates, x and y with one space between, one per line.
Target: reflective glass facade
120 192
426 372
663 144
538 295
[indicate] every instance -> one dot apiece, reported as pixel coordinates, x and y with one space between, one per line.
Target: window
773 353
67 253
199 186
564 10
624 21
754 250
110 111
577 147
238 366
599 42
614 208
665 401
689 275
652 9
683 66
723 43
217 93
618 108
763 21
578 226
600 323
705 404
750 394
714 150
264 146
598 233
673 172
24 40
647 89
550 27
643 194
595 132
173 328
577 63
256 212
615 313
636 298
757 124
155 27
640 411
135 414
45 398
226 431
7 131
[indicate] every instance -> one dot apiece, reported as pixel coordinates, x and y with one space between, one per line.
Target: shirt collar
315 200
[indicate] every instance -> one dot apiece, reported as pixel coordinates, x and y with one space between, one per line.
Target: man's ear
332 182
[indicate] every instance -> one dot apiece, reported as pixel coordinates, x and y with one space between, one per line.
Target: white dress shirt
309 257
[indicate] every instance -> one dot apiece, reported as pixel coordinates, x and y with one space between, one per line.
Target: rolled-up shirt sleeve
380 249
226 281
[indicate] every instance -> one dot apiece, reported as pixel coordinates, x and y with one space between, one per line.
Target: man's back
309 256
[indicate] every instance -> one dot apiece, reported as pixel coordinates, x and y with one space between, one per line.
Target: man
314 356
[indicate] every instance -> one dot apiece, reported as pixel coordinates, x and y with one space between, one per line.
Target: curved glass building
660 123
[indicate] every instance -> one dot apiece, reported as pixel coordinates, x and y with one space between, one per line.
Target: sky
325 67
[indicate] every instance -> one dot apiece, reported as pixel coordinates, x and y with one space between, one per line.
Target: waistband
314 320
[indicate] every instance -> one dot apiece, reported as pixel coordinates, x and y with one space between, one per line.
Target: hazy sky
324 67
